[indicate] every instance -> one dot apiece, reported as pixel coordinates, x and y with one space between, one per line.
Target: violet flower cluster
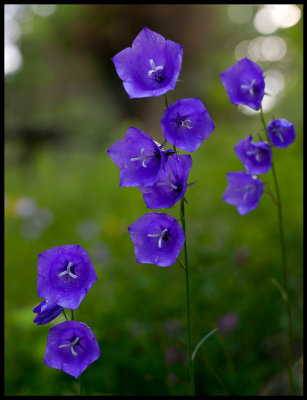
65 275
151 68
244 84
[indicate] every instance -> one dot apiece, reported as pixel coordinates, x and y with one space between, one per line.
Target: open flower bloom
256 157
244 83
151 66
139 158
65 274
243 191
158 239
171 183
72 347
186 124
281 132
46 312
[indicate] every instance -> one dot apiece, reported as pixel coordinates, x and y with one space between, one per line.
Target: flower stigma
68 271
169 183
158 77
163 235
71 345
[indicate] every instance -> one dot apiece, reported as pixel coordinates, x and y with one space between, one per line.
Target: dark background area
64 107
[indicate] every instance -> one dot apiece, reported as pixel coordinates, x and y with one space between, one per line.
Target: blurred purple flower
256 157
158 239
46 312
151 66
228 322
281 132
173 355
72 347
65 274
243 191
244 83
171 183
139 158
186 124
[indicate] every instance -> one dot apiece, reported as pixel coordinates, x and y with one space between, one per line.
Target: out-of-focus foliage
64 108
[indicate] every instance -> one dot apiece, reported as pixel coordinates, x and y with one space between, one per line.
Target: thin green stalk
65 314
284 264
191 367
72 314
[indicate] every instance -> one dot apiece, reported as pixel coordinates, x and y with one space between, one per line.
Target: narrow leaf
201 342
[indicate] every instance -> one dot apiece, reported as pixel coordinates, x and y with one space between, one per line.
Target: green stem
65 314
191 367
284 264
72 314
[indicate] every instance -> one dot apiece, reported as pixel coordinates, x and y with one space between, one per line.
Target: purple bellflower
139 158
256 157
46 312
171 183
72 347
281 132
65 274
151 66
244 83
186 124
243 191
158 239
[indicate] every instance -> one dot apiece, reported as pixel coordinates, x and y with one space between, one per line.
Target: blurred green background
64 107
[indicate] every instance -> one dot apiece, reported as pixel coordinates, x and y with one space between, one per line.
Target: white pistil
68 271
154 68
159 235
278 133
169 183
144 158
186 124
257 156
250 87
71 345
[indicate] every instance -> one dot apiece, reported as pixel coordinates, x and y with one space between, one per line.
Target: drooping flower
171 183
281 132
256 157
244 83
65 274
186 124
72 347
243 191
151 66
158 239
46 312
139 158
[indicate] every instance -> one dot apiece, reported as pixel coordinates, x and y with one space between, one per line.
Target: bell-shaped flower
256 157
139 158
243 191
281 132
171 183
186 124
158 239
72 347
46 312
244 83
65 274
151 66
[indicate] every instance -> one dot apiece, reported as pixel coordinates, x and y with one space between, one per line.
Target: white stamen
71 345
68 271
257 152
154 68
159 235
169 183
249 87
